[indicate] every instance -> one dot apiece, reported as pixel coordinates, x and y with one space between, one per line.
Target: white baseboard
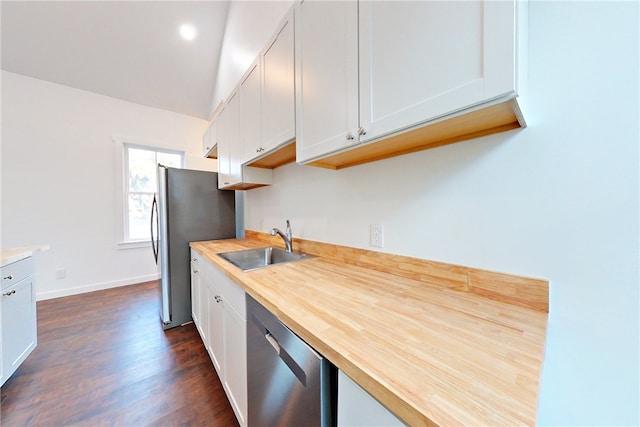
41 296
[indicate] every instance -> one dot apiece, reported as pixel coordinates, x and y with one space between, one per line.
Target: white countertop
11 255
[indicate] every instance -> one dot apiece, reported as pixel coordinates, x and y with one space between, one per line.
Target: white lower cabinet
215 345
196 294
18 313
235 360
224 314
357 408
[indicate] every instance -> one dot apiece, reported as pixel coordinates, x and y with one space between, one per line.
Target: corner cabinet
390 76
18 311
222 317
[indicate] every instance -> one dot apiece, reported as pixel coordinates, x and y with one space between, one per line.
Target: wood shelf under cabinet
279 157
496 118
213 153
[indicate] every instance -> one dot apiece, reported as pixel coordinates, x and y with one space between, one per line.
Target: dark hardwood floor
103 359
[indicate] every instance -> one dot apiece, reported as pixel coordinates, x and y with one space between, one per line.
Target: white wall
62 182
557 200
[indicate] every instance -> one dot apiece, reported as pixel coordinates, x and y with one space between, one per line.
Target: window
140 184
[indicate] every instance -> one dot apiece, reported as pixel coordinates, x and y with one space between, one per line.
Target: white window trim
133 244
125 143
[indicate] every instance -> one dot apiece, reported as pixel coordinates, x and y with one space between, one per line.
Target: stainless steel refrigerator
188 207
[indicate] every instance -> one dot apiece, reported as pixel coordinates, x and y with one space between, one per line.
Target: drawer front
15 272
235 296
231 292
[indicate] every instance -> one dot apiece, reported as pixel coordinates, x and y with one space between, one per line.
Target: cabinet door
250 114
216 327
224 150
210 138
205 142
235 357
357 408
195 292
203 308
229 167
326 56
420 60
231 141
278 88
19 324
233 135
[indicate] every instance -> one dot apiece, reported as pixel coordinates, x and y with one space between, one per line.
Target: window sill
135 244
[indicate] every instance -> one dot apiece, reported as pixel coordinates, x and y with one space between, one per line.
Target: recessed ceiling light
188 31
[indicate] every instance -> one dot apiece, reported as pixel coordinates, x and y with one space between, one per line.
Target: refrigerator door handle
154 242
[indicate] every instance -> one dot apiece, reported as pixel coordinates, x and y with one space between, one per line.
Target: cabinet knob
362 131
208 147
349 136
218 299
7 294
259 150
9 277
195 271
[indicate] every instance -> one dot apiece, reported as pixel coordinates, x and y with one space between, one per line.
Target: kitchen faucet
286 236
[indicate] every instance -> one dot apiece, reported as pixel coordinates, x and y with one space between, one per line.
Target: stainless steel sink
252 259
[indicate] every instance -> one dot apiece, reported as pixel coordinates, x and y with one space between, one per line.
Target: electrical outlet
376 235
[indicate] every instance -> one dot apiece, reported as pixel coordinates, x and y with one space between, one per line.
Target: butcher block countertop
11 255
437 344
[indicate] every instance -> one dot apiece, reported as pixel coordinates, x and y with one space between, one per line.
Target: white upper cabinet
206 146
420 60
326 49
251 113
256 127
229 147
232 175
371 70
224 150
232 135
210 141
278 88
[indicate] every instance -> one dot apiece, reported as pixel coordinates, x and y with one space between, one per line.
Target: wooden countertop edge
11 255
398 405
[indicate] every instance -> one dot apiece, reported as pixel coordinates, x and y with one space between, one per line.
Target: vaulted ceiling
129 50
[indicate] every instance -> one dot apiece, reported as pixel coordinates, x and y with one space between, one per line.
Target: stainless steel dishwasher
289 383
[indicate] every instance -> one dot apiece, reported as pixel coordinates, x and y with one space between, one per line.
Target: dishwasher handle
273 341
291 363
